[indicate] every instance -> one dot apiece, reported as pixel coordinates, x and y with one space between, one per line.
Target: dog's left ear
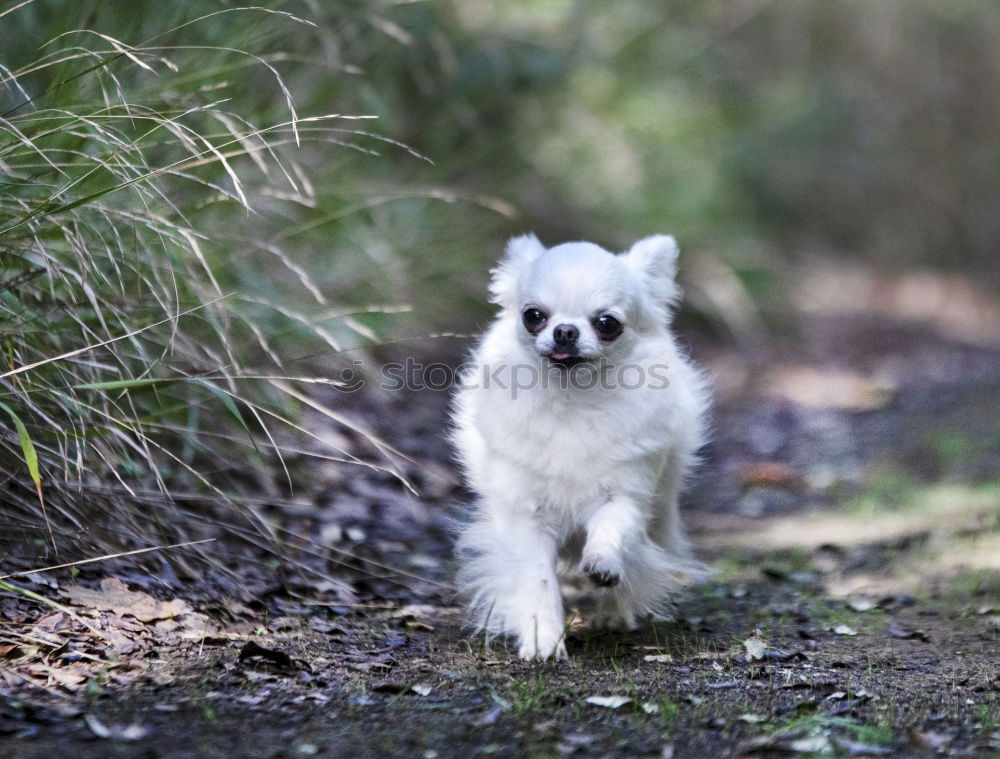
520 252
654 261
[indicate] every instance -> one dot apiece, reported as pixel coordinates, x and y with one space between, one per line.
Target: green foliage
750 131
143 291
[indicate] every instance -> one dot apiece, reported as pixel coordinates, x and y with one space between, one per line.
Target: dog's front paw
531 650
603 579
545 642
603 572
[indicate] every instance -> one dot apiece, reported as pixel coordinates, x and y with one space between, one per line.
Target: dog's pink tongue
560 356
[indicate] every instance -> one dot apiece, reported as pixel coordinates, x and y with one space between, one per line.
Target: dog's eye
533 318
608 327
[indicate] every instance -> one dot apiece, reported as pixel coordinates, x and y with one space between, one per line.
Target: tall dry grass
142 398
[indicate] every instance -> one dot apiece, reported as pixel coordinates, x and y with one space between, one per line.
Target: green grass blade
125 384
31 459
27 447
232 408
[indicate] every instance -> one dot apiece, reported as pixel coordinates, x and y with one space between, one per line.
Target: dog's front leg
509 571
613 531
536 608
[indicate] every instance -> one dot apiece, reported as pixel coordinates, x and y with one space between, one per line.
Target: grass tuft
142 391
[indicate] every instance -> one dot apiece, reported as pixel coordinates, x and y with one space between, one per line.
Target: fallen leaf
658 658
51 623
610 702
421 689
755 646
120 642
124 623
116 597
195 626
68 678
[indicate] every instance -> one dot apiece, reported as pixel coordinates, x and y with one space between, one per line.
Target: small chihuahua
577 424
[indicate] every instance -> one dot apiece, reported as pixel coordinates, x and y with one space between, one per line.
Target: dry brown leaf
120 642
125 623
116 597
51 623
196 626
67 677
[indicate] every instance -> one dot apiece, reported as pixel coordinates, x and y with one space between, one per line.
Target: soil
849 502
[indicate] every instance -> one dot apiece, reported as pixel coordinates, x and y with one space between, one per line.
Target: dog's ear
654 261
520 252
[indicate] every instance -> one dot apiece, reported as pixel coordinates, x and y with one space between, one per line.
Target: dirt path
852 512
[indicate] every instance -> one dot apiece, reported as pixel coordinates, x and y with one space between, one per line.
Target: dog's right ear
520 252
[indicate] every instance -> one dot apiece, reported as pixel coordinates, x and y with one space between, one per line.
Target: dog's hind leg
615 612
666 527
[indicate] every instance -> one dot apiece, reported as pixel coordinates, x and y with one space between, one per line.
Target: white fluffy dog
576 426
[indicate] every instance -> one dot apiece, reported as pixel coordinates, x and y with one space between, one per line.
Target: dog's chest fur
574 447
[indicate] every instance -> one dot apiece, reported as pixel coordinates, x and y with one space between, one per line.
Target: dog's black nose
565 334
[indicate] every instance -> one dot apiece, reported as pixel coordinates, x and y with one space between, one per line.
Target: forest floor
850 504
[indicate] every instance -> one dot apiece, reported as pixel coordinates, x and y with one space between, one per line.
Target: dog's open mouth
567 360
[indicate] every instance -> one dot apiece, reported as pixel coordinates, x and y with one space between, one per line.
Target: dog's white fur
586 475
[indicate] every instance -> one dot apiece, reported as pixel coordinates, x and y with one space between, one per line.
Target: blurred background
760 133
831 170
